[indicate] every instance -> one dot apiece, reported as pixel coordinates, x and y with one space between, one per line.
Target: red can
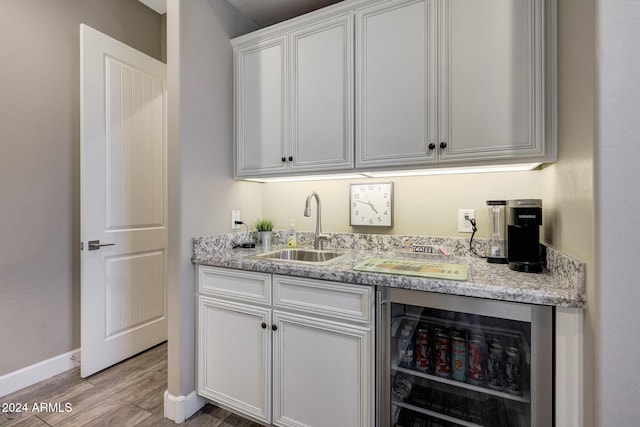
475 361
422 351
443 355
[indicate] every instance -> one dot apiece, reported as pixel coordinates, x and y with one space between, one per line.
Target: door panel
133 297
395 85
318 362
123 201
135 190
235 356
488 67
322 107
261 103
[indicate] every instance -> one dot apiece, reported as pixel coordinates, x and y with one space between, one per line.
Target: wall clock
371 204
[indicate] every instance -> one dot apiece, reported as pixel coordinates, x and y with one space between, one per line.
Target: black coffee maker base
526 267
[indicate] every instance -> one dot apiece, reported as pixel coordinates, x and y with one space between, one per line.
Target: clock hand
368 203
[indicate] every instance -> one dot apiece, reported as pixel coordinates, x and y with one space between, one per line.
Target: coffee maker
524 218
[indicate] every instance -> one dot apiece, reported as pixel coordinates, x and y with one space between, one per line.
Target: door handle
94 245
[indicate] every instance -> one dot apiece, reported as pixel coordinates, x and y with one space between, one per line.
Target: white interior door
123 201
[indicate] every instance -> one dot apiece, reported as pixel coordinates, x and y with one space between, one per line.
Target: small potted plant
264 229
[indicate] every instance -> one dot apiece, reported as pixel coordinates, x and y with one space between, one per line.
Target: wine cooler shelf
525 398
435 405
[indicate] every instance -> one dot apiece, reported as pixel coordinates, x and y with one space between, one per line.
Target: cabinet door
322 373
491 71
261 107
234 356
395 84
322 101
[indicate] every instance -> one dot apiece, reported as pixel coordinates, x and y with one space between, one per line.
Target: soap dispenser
292 238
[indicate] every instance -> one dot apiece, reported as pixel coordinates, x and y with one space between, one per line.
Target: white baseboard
179 408
22 378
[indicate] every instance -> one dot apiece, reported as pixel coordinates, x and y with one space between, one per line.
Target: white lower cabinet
303 359
234 366
321 371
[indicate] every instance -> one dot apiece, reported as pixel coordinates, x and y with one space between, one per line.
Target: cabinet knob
284 159
291 158
443 145
432 146
274 327
264 325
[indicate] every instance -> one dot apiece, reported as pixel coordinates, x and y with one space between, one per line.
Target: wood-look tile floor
130 393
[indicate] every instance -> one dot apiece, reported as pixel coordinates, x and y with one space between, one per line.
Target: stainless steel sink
300 255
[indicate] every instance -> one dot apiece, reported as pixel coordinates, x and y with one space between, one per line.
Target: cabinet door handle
432 146
274 327
264 325
443 145
284 159
291 158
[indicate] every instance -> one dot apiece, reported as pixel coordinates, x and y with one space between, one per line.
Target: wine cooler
448 361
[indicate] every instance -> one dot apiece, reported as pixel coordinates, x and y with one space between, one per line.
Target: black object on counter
524 218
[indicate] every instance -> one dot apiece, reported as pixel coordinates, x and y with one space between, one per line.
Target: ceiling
159 6
262 12
268 12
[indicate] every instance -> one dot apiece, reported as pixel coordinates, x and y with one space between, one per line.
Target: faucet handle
320 239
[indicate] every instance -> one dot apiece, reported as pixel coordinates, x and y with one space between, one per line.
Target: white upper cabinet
491 85
322 101
395 78
373 85
261 92
294 103
451 81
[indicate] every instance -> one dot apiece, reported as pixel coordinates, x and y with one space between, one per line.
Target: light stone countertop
561 283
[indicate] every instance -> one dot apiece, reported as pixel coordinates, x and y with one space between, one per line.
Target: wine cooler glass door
458 361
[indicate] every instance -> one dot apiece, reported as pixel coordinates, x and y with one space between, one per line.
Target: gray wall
202 191
39 165
618 204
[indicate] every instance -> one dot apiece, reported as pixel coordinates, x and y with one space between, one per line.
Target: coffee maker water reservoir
497 219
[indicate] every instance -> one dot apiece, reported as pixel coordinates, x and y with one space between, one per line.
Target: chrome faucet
319 237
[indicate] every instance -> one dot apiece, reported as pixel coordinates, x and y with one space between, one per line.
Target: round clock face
371 204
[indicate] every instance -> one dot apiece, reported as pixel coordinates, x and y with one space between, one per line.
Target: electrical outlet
235 216
464 226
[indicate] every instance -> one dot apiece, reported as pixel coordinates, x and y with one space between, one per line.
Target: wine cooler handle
383 355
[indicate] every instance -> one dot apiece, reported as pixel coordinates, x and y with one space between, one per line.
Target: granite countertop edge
560 285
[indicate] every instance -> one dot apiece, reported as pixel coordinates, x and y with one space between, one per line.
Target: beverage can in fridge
443 354
401 388
476 361
405 349
495 365
458 357
513 380
422 351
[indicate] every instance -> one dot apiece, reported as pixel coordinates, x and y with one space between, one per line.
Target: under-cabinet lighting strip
402 173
